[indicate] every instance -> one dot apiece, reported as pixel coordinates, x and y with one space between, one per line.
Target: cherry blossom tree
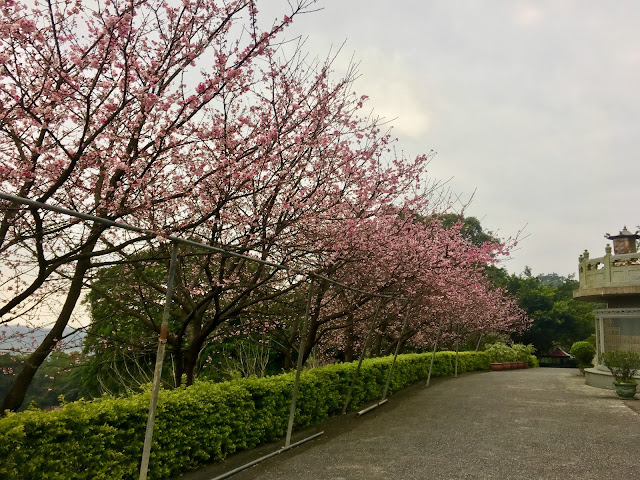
440 271
436 268
318 167
103 107
186 119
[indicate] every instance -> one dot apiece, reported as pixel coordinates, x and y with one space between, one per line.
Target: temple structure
614 282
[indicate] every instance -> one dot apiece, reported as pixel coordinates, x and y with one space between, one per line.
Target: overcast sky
531 104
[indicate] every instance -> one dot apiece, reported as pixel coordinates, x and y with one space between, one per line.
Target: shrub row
103 438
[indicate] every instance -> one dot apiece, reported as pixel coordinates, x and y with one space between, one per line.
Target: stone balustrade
610 271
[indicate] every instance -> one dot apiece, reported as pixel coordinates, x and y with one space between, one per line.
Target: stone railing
609 271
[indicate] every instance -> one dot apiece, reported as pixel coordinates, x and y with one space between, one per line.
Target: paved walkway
521 424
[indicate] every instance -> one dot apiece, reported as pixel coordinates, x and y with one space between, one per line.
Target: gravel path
541 423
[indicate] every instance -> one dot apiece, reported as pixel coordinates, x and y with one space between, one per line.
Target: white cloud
395 92
528 15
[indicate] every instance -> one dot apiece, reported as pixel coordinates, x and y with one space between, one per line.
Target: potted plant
523 353
500 355
623 365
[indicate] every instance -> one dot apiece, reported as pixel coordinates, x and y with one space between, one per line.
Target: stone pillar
596 360
582 268
599 341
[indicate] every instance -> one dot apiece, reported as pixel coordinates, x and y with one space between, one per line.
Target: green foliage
583 352
59 376
522 351
9 365
500 352
471 228
200 424
125 324
623 365
119 343
548 299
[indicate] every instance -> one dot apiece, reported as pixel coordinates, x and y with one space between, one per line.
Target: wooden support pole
362 354
300 364
435 347
157 373
395 356
455 372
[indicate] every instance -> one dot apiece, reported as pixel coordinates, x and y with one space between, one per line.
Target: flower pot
497 366
626 391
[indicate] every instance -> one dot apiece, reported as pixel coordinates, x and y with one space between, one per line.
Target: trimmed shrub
583 352
623 365
103 438
522 352
500 352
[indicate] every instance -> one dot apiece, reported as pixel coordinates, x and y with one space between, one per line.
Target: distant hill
23 339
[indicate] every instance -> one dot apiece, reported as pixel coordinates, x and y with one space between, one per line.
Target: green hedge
103 438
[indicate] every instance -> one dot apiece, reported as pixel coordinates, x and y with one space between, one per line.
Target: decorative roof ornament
624 242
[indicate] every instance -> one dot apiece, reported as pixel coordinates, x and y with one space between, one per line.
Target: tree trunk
179 361
377 345
190 362
288 361
14 398
349 341
311 340
403 344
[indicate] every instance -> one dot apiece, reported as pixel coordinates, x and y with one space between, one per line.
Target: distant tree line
558 319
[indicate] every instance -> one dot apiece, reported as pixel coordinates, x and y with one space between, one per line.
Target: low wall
601 378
